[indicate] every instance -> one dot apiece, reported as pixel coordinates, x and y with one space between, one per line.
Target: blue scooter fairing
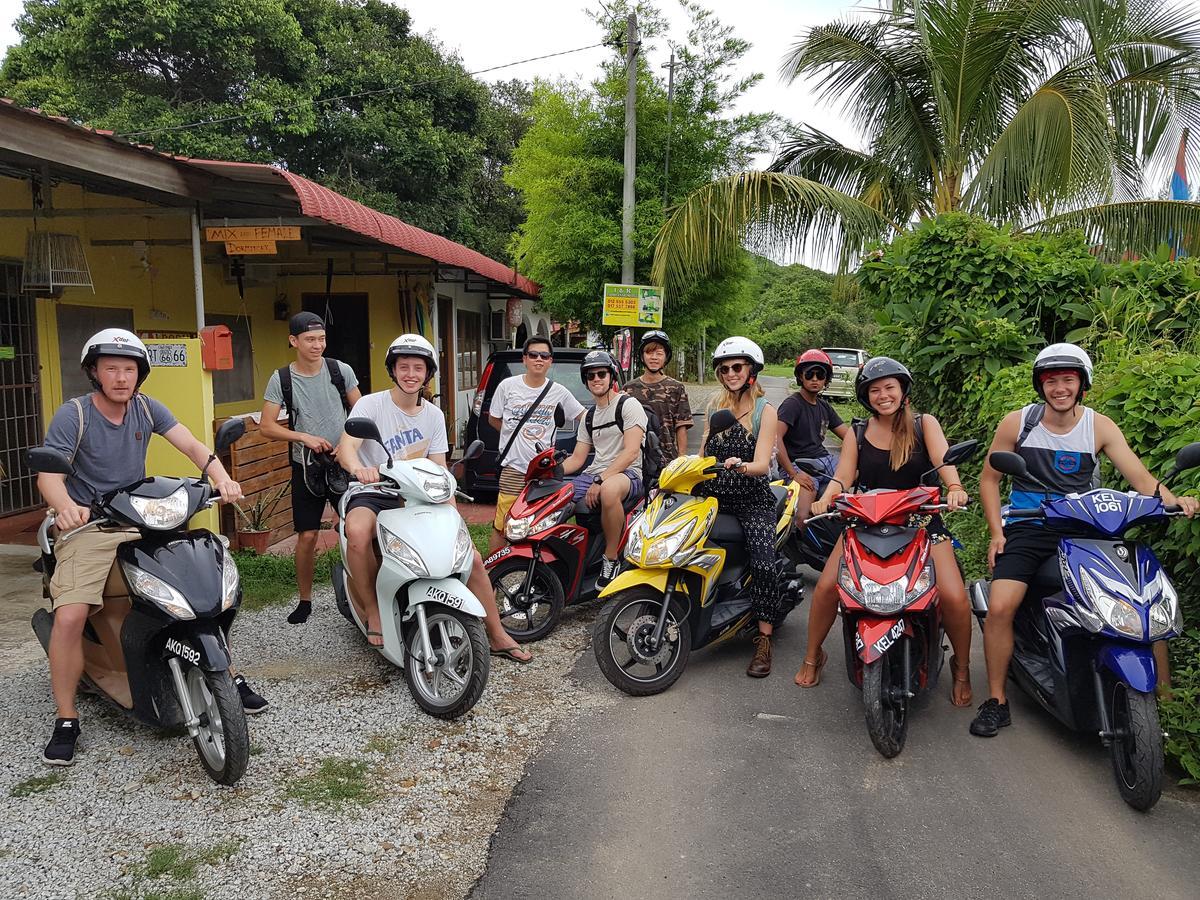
1133 665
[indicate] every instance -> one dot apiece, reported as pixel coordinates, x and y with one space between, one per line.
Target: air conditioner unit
497 329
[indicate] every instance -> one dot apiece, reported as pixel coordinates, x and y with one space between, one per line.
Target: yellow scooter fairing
784 525
683 474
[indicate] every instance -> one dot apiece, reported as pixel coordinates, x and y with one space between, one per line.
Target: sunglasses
596 373
735 368
539 354
815 373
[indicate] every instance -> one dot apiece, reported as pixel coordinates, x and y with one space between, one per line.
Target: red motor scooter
549 560
888 598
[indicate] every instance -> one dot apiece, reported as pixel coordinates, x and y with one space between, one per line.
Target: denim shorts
583 482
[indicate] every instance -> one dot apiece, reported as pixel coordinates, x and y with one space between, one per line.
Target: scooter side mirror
960 453
47 459
1007 463
229 434
1188 457
363 429
721 420
810 467
560 417
473 451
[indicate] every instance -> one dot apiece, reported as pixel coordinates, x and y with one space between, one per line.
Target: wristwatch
599 479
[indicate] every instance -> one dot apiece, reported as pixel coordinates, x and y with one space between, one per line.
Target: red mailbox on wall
216 347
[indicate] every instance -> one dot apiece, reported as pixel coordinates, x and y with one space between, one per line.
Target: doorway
445 319
347 330
20 393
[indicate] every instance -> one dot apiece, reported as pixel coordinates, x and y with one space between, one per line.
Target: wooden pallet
259 465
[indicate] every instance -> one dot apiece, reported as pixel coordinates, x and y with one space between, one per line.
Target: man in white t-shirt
615 429
410 427
510 407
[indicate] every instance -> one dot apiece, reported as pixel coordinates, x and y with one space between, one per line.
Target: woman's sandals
816 667
961 677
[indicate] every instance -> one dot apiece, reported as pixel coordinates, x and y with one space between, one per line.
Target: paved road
730 787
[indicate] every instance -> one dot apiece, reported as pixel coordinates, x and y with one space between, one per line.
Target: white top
512 398
609 440
404 436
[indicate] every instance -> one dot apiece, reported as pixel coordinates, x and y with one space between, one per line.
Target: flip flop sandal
817 667
511 653
378 634
965 679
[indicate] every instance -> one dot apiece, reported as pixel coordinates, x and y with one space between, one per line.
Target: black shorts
1026 549
307 508
376 503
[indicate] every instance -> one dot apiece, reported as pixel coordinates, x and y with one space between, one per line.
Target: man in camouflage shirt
663 395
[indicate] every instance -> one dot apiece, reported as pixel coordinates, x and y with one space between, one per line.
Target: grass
179 863
337 782
271 580
38 785
780 370
382 743
480 534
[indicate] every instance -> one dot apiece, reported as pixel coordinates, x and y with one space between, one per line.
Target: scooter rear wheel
461 667
886 711
223 741
1137 748
528 612
621 636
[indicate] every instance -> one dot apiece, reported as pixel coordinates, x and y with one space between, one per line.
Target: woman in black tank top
893 451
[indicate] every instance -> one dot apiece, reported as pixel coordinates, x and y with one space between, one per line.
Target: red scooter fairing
874 637
882 506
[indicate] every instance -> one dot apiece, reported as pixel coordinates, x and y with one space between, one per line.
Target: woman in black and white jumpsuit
742 487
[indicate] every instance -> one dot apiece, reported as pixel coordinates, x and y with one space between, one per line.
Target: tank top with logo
1066 463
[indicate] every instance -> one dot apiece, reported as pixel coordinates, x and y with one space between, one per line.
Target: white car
846 364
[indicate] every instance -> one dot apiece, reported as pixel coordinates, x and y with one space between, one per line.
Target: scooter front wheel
461 663
1137 746
884 704
222 739
623 641
529 608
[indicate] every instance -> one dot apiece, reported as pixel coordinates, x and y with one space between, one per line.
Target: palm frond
1138 228
767 211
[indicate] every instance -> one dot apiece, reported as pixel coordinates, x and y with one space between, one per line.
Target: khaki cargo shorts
82 563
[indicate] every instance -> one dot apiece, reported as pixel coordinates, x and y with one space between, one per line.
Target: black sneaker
300 614
992 716
252 703
608 571
337 478
61 749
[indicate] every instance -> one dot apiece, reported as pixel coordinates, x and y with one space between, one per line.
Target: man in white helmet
1060 440
106 435
410 427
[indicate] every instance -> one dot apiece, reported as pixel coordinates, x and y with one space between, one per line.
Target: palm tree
1046 114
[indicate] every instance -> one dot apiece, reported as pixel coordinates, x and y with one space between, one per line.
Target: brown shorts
82 563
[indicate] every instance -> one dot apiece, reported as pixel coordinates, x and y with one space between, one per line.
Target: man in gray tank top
1061 441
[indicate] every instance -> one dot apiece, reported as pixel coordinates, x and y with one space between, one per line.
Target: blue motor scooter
1082 639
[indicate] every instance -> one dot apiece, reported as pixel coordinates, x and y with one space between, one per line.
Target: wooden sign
249 248
237 233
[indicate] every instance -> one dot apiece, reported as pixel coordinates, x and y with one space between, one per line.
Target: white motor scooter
432 624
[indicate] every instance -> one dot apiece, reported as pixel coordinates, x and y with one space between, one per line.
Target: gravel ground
136 817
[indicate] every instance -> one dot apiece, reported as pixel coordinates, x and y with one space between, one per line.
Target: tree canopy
341 91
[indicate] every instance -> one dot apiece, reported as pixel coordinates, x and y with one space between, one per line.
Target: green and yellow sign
633 306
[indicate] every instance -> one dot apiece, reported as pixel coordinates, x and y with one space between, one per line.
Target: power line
388 90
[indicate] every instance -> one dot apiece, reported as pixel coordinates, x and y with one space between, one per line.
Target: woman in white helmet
1060 440
742 487
410 427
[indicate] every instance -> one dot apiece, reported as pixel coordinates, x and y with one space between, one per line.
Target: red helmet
810 358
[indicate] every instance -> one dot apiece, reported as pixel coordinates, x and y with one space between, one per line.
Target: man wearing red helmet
804 419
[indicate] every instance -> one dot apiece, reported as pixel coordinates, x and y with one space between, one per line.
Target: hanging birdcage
54 261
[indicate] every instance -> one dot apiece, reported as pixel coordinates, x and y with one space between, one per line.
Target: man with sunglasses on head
804 419
522 410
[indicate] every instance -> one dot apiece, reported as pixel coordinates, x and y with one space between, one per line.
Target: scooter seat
727 530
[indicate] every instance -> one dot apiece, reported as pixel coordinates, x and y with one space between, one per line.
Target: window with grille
470 340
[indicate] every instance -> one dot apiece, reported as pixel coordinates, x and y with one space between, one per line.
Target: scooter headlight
635 540
518 529
1121 616
158 592
463 545
1165 616
437 487
661 548
400 551
882 598
166 512
230 582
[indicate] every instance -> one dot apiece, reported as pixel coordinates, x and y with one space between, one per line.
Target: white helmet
1062 356
114 342
740 348
412 345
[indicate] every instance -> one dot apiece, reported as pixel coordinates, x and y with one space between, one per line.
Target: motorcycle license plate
436 593
183 650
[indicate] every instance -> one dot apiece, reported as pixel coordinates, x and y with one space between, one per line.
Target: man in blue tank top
1061 441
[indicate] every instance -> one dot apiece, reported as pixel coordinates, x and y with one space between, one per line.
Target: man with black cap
317 393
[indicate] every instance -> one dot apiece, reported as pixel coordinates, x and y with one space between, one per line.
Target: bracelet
951 487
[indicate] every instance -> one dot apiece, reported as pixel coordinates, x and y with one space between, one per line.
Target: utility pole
670 67
631 50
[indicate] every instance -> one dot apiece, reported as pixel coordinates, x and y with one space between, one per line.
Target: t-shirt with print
109 456
319 407
607 439
668 400
404 436
512 398
806 426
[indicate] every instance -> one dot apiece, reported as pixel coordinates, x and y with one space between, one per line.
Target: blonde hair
727 399
904 436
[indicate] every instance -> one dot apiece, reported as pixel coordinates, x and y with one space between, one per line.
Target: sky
490 33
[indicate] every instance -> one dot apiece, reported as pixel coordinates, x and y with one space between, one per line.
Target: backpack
142 401
318 468
652 461
285 386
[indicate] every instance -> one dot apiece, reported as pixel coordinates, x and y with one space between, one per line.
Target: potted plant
254 515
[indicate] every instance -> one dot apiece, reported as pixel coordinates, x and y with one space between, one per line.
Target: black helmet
881 367
655 337
599 359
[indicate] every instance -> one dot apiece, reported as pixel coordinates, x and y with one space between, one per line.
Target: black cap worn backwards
305 321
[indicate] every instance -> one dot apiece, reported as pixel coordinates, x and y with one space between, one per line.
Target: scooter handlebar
461 496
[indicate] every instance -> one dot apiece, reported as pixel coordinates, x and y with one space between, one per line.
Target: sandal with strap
816 666
961 676
371 634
